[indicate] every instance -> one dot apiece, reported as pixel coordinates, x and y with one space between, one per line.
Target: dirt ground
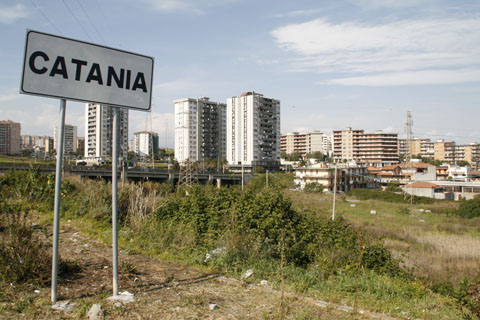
161 291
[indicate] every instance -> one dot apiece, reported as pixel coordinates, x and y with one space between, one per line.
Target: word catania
121 78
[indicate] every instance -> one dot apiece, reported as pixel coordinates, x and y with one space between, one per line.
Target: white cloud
298 13
173 5
192 6
10 96
375 4
423 77
10 14
393 51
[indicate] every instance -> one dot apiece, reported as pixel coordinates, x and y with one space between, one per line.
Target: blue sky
332 64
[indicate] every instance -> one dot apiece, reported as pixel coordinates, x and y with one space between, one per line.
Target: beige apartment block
305 143
10 139
444 151
377 149
295 142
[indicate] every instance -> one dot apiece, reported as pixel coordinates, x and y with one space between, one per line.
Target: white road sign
75 70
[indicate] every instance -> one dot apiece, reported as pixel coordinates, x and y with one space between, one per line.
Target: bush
313 188
252 224
27 184
393 187
469 208
387 196
23 258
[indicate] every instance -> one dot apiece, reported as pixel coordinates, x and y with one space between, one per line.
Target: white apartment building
145 143
69 139
99 130
253 130
200 126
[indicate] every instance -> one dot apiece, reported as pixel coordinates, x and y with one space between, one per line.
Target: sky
332 64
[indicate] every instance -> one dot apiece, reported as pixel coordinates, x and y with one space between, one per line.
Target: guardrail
105 172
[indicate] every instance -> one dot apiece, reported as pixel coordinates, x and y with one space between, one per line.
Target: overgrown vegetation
313 188
229 231
24 258
388 196
469 208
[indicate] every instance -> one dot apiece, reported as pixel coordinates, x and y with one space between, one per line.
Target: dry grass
434 244
445 256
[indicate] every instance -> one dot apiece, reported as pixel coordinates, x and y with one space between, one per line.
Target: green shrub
393 187
313 188
27 184
469 208
387 196
23 256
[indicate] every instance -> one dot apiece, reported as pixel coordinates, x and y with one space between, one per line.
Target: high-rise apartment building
305 143
253 130
48 144
81 145
69 139
145 143
200 126
99 131
10 140
377 149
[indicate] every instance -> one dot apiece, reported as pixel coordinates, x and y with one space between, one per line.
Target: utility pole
266 177
334 192
242 176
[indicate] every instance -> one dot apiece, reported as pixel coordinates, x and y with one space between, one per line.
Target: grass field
435 245
431 241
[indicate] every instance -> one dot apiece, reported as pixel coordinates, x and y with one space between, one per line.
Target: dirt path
165 291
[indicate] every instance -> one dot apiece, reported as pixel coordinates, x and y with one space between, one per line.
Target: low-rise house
349 176
403 173
442 172
460 189
427 189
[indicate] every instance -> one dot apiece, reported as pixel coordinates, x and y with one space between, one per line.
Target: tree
26 152
294 156
463 163
316 155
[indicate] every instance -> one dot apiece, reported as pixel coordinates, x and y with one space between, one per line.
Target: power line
78 21
45 16
91 21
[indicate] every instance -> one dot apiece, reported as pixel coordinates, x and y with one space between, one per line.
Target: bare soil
161 291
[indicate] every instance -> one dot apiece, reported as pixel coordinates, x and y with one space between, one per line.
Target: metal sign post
58 187
114 201
59 67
